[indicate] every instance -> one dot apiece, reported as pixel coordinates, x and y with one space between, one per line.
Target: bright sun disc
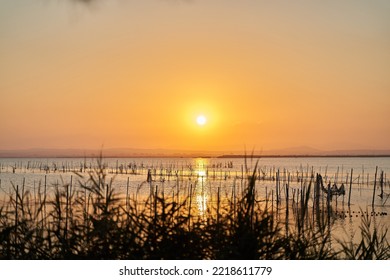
201 120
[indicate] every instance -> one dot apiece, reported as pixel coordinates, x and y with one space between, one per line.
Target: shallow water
205 177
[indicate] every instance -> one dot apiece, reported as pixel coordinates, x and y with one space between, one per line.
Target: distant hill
114 152
311 152
129 152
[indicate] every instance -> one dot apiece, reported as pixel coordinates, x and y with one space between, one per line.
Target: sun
201 120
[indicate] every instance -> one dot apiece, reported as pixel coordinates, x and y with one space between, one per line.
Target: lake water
205 177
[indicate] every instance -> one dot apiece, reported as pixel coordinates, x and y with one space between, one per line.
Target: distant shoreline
300 156
171 153
194 156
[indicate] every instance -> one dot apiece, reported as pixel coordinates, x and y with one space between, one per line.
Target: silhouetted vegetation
93 222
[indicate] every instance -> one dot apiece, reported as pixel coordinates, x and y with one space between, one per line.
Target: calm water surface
205 176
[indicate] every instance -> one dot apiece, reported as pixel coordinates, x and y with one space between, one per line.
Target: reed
373 244
89 219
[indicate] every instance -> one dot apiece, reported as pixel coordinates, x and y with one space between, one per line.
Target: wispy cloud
85 1
91 1
94 1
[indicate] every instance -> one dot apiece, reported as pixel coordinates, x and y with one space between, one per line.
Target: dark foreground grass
93 223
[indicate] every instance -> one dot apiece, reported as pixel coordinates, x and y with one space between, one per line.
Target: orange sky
266 74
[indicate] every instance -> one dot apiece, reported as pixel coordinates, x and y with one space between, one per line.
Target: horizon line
171 153
223 156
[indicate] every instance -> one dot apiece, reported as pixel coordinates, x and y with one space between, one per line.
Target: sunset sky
137 74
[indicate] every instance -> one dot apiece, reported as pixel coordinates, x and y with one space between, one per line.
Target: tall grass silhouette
93 221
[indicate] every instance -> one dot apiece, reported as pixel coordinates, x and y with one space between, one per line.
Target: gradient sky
126 73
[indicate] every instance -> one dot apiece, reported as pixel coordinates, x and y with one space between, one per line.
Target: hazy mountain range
129 152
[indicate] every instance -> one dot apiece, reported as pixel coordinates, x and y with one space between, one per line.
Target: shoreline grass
93 222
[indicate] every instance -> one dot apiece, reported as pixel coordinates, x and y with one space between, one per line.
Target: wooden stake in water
276 188
16 212
22 200
218 204
155 203
317 189
350 189
66 212
381 182
287 193
287 198
189 208
373 194
127 194
44 200
329 197
234 198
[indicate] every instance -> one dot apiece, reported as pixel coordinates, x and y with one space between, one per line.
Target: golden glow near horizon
264 74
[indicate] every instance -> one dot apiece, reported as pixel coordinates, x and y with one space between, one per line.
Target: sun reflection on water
202 196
